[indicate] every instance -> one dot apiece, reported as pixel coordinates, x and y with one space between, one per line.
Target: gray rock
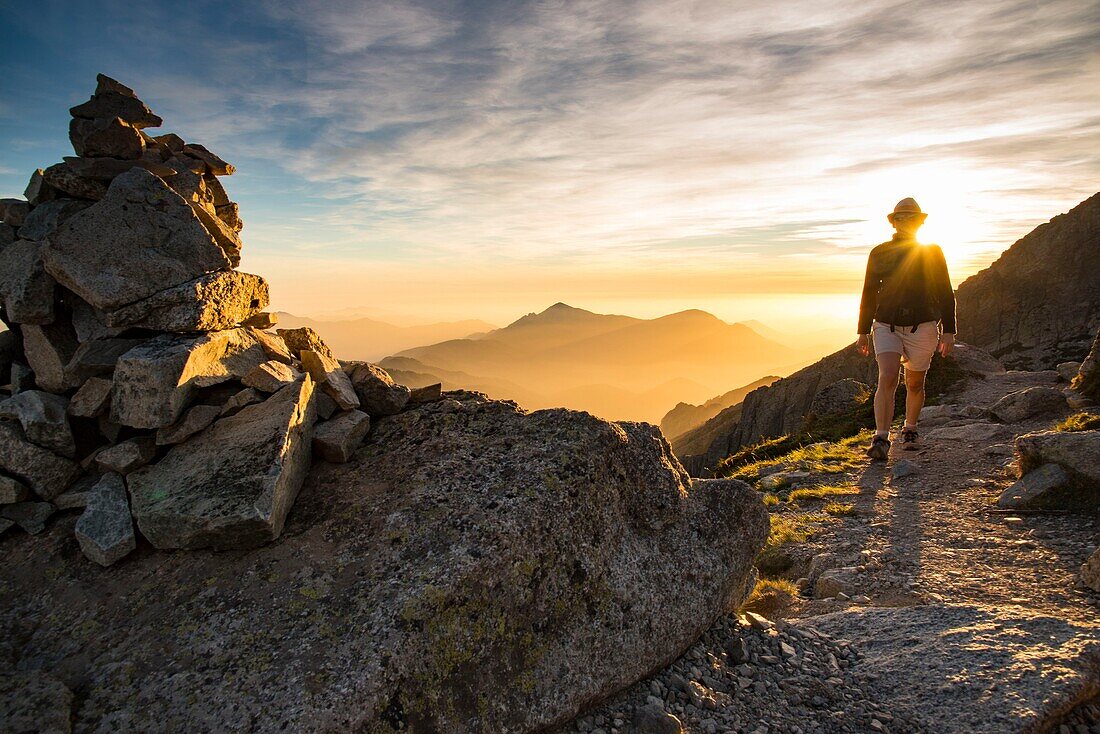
66 179
170 142
1087 381
1028 403
105 531
337 439
903 468
273 345
5 525
230 214
212 302
107 169
214 164
936 415
38 192
97 358
92 399
127 456
1078 453
197 418
7 235
839 396
780 479
95 253
26 290
48 350
414 576
105 138
298 340
1033 490
185 500
655 720
34 701
836 581
378 393
242 399
45 218
71 500
43 418
21 378
271 376
426 394
89 323
1067 370
116 101
12 490
227 238
1090 571
41 469
14 211
262 320
31 516
326 406
154 382
327 372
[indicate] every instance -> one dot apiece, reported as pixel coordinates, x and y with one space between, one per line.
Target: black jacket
885 261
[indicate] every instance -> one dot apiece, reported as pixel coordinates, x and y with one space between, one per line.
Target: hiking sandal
879 448
909 439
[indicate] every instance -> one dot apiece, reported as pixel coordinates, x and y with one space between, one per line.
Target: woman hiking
907 297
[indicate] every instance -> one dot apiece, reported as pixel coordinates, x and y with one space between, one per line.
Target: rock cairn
144 384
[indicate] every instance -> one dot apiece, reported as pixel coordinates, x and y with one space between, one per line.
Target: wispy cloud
652 131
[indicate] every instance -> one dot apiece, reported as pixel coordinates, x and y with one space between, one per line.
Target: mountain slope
1039 303
685 416
370 339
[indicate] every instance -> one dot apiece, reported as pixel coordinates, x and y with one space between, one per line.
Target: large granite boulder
142 238
1039 303
211 302
232 485
45 218
472 568
155 381
1078 453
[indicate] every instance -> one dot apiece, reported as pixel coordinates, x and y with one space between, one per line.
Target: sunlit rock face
1039 303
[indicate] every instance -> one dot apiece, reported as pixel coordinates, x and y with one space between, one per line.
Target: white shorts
915 347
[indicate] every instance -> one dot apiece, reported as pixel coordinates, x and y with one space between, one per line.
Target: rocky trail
922 606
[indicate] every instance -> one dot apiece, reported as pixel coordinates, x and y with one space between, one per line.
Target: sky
453 160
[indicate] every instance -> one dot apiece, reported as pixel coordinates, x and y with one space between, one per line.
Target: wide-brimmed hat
908 205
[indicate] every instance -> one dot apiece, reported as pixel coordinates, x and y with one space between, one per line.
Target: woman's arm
869 301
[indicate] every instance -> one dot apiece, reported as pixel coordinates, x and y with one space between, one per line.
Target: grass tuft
837 509
820 492
820 457
1079 422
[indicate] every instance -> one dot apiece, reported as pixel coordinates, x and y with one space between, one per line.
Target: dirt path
949 617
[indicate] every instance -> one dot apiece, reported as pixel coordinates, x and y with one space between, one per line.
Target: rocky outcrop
1087 380
233 485
1039 303
1023 404
471 568
1076 452
783 407
686 417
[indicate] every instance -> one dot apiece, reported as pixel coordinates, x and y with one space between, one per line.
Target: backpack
905 297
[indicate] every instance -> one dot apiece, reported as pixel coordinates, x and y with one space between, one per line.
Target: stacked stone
143 383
